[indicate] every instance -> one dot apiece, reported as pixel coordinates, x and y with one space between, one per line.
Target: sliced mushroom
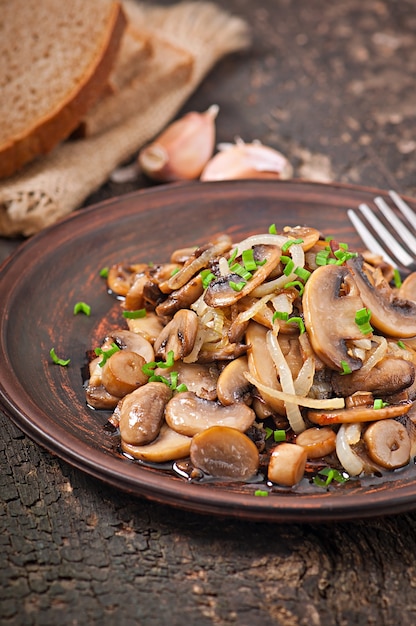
388 443
287 464
358 414
97 396
317 442
390 315
178 335
168 446
330 316
189 415
407 289
150 326
121 277
181 298
308 234
141 413
232 385
225 452
125 339
199 260
122 373
389 376
220 293
199 378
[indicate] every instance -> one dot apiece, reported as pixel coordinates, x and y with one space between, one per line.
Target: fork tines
395 242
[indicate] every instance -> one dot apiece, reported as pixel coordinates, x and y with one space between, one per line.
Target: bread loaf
56 58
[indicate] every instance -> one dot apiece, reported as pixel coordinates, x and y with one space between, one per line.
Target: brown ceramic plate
43 280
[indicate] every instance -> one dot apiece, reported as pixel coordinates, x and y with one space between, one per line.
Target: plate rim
341 507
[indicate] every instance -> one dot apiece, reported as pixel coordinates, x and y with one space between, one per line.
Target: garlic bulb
246 160
182 150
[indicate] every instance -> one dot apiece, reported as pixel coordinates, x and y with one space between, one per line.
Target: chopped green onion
302 273
279 435
158 379
237 286
401 344
248 260
57 360
182 387
299 322
238 269
362 319
322 257
104 272
329 238
295 283
269 432
397 278
343 246
272 229
261 493
379 404
345 368
289 267
289 243
170 360
134 315
175 271
207 277
232 257
280 315
329 474
105 354
82 307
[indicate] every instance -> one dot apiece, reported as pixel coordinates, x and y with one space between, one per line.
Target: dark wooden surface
330 84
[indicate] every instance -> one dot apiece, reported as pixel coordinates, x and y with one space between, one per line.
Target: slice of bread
167 68
56 59
135 49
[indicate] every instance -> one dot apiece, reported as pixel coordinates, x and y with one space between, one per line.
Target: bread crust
58 124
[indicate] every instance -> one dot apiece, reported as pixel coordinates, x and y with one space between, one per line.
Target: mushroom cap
393 316
330 316
221 294
141 413
188 414
225 452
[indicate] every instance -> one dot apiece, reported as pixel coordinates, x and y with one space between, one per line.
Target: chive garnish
379 404
397 278
207 278
272 229
326 475
237 286
401 344
289 243
302 273
299 322
104 272
261 493
295 283
134 315
82 307
241 271
105 354
279 435
345 368
232 257
280 315
57 360
322 257
362 319
248 260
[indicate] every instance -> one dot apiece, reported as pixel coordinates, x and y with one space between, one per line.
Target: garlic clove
246 160
183 149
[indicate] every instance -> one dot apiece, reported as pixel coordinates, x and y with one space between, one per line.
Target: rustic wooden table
330 84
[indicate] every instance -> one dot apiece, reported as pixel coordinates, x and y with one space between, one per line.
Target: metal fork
401 254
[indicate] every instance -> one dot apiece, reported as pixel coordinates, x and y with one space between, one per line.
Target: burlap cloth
58 183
